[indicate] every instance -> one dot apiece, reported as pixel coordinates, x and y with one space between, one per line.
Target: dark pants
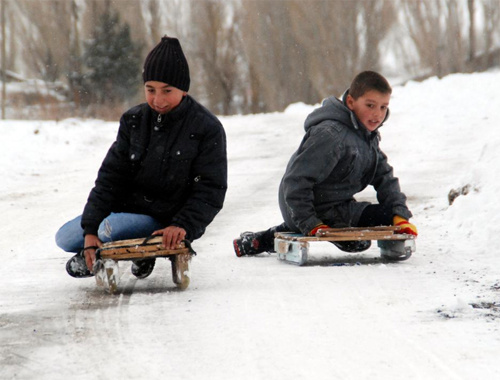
375 215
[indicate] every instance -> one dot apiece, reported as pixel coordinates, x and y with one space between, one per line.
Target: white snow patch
433 316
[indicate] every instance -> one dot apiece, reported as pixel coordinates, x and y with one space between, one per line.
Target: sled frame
293 248
107 272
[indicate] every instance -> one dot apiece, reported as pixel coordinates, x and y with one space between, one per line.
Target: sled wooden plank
294 248
134 249
112 252
157 240
325 231
139 254
361 234
344 238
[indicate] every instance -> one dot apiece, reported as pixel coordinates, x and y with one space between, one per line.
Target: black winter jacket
173 169
337 158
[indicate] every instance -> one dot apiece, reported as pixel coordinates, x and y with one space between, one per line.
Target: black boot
353 245
143 268
76 266
253 243
248 244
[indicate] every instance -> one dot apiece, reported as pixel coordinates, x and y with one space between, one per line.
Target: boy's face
162 97
370 108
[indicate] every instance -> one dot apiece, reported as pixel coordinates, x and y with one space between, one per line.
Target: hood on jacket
336 110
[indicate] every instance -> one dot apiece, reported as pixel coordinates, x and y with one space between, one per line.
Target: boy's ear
349 101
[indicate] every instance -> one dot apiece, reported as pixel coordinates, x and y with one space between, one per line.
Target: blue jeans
117 226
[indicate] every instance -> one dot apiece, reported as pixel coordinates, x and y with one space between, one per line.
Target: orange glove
406 226
315 229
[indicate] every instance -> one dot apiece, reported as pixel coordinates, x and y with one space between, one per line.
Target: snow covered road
435 316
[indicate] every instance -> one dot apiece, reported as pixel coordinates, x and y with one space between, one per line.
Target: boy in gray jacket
338 157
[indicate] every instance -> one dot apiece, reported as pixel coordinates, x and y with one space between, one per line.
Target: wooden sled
294 248
106 267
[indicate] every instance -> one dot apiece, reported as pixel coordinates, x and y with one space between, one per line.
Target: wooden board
294 248
107 271
349 233
139 249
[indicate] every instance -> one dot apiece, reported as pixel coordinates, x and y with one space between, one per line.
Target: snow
435 316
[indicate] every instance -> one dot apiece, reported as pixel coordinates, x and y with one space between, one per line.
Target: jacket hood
336 110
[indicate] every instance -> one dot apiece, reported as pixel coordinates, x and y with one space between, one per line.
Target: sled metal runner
294 248
106 267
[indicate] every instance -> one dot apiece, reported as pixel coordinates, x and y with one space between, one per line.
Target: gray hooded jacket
337 158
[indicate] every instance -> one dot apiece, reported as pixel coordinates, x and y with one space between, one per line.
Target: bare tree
274 57
152 17
306 50
74 71
3 51
484 52
472 29
378 18
444 33
456 37
261 55
217 39
334 42
423 21
435 27
491 12
46 44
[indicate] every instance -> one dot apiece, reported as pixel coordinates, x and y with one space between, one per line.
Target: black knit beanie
166 63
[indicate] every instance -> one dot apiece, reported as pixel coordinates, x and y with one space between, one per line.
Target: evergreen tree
113 61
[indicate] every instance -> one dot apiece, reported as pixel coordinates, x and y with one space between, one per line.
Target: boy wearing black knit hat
166 173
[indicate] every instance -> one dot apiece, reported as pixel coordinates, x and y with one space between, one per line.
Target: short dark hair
366 81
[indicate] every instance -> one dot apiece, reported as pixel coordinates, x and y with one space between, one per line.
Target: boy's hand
315 229
92 242
172 236
406 226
